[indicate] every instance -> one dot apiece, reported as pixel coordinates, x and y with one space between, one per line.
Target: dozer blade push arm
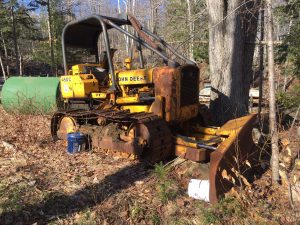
186 141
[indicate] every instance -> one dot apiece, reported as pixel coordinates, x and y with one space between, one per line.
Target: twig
174 160
295 118
291 196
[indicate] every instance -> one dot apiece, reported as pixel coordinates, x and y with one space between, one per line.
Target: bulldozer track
151 127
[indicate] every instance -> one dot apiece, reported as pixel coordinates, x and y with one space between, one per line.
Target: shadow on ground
60 205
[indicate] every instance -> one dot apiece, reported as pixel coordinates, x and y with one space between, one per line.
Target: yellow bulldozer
150 114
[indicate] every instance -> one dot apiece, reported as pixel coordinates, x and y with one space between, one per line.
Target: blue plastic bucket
76 142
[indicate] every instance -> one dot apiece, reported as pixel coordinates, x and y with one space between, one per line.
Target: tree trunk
69 7
127 41
50 33
5 54
232 24
286 64
15 38
191 29
272 100
133 3
2 68
153 18
261 60
20 62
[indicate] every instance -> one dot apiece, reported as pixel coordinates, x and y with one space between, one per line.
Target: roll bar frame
141 32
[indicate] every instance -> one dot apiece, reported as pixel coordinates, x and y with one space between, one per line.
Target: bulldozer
149 114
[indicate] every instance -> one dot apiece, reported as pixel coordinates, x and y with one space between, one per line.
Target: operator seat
101 73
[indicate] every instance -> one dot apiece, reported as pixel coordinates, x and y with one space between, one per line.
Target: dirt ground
42 184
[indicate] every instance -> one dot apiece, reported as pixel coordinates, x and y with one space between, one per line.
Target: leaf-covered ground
41 184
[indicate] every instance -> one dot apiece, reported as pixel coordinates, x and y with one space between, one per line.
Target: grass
155 218
11 197
226 211
86 218
166 186
136 211
179 221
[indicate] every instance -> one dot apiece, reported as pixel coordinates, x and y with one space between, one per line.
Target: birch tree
5 53
2 68
126 38
272 100
129 6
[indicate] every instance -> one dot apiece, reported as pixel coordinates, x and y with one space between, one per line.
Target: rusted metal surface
166 86
187 112
205 130
160 145
67 125
157 107
131 147
193 148
143 134
194 154
177 87
228 162
189 85
55 124
138 28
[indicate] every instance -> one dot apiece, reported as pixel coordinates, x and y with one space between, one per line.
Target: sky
113 3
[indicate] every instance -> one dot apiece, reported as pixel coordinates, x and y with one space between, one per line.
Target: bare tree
272 100
129 8
191 29
261 59
15 38
126 38
153 20
5 54
2 68
20 61
232 24
50 33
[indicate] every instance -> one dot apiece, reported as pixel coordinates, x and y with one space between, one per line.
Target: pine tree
15 21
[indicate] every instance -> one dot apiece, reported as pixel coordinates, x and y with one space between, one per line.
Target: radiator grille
189 86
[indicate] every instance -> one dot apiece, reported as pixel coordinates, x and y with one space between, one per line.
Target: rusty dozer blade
228 149
232 157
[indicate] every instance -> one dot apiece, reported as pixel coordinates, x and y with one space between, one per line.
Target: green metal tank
31 95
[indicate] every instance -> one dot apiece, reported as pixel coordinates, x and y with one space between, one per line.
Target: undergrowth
11 197
166 186
223 211
291 98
